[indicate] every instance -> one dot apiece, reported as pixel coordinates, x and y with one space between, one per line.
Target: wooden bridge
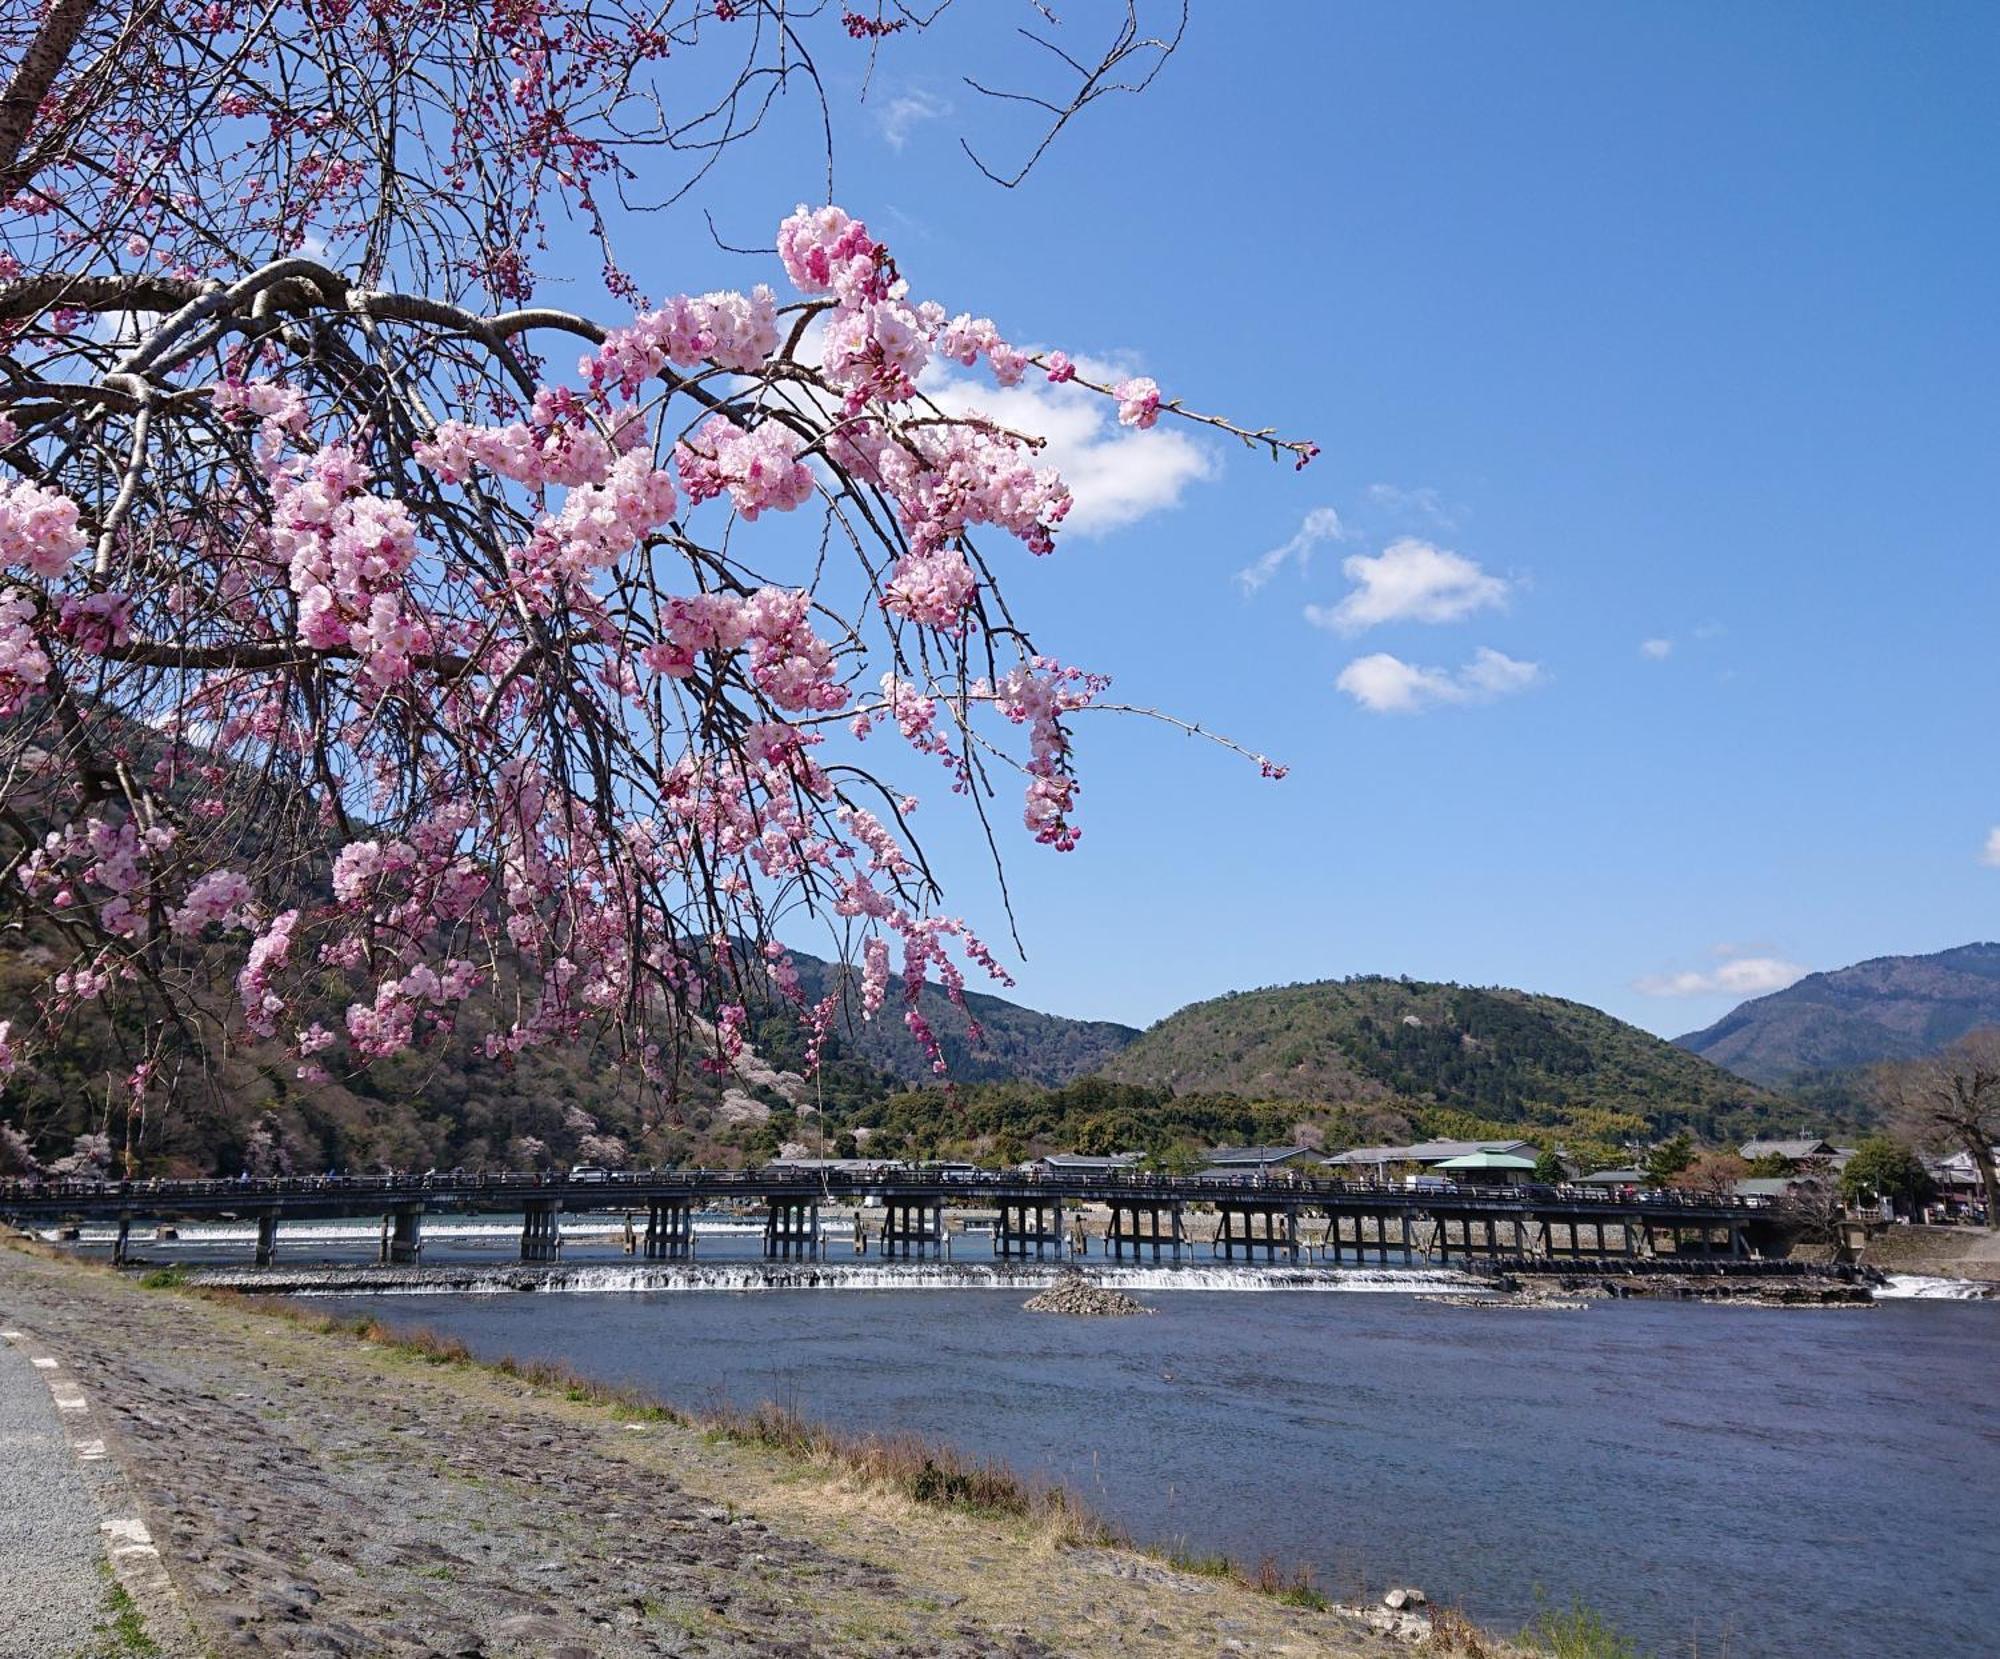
1287 1218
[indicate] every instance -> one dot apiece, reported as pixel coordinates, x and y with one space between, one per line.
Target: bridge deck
335 1196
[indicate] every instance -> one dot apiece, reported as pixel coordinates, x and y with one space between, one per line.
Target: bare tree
1952 1100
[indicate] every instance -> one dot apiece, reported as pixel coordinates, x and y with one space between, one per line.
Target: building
1793 1151
1081 1163
1615 1178
1254 1162
1426 1154
834 1166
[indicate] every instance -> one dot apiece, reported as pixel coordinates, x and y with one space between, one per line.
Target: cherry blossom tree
375 639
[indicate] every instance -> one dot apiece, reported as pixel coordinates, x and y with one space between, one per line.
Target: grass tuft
1580 1632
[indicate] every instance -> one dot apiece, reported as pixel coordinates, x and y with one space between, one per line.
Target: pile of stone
1075 1294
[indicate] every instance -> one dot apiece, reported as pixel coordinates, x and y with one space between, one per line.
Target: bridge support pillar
267 1237
1031 1227
403 1236
791 1230
541 1230
1127 1229
1237 1229
669 1231
912 1228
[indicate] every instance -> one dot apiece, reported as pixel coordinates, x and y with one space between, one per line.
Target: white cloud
1736 976
1658 650
896 117
1409 581
1384 684
1321 524
1990 853
1117 474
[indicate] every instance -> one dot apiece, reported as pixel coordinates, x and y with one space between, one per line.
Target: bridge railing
738 1185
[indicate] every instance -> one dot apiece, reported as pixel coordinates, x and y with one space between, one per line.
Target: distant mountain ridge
1887 1008
1015 1043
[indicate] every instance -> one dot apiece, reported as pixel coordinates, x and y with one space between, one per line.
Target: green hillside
1502 1056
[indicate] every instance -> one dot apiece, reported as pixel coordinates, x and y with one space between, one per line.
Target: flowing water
1764 1482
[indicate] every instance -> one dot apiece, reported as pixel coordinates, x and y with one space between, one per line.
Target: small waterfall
1921 1287
594 1278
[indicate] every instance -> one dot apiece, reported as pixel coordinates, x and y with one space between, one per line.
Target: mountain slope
1015 1043
1504 1056
1887 1008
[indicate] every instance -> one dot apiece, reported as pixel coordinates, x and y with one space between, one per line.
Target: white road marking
43 1363
70 1401
10 1336
88 1451
128 1537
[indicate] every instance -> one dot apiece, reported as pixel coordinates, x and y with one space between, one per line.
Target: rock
1074 1294
1403 1596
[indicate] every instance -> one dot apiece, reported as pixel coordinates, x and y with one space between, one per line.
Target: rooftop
1807 1147
1428 1152
1257 1154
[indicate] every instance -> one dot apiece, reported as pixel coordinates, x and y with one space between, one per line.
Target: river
1759 1482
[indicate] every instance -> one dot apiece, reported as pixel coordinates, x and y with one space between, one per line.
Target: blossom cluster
589 753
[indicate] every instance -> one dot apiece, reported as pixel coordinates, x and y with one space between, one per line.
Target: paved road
52 1593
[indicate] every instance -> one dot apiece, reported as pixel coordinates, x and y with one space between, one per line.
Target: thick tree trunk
32 78
1981 1148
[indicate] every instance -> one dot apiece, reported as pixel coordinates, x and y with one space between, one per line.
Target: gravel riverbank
315 1494
51 1590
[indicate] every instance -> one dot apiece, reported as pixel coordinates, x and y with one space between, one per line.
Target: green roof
1488 1160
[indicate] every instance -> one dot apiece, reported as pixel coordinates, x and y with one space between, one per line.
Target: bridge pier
403 1236
912 1228
541 1230
1030 1227
1236 1230
1125 1229
267 1237
669 1231
791 1229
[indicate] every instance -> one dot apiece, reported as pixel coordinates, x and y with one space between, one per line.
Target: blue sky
1615 326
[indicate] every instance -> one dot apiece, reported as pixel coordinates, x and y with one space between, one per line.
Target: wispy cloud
1385 684
1656 650
1117 474
1322 524
1409 581
1734 975
897 117
1990 853
1421 502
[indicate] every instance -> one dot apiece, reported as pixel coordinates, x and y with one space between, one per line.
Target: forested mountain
1340 1061
1505 1056
451 1104
1015 1043
1887 1008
